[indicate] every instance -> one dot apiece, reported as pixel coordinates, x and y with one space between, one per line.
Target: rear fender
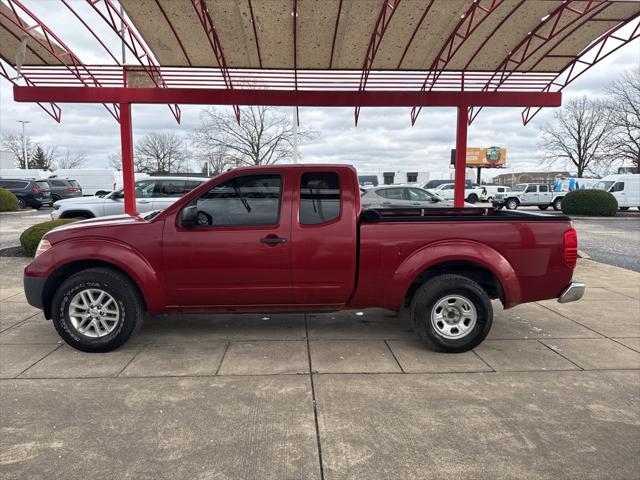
452 250
120 255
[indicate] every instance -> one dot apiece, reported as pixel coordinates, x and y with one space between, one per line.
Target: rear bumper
33 290
572 293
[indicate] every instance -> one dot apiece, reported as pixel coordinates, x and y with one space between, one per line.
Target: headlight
43 246
56 206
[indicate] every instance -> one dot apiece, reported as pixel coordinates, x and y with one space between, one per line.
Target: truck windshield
519 188
604 185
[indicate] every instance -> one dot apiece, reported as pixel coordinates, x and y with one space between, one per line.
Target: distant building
389 178
511 179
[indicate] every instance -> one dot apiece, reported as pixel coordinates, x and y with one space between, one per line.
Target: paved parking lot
553 393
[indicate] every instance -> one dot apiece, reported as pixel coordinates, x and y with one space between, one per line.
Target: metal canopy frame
513 83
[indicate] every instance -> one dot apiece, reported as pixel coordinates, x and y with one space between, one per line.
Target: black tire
473 198
21 203
123 291
37 207
543 207
55 198
624 209
511 204
431 293
557 204
80 215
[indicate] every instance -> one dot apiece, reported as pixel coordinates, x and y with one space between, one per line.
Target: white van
625 187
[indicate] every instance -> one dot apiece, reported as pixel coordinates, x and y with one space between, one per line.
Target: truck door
324 233
544 195
530 195
239 253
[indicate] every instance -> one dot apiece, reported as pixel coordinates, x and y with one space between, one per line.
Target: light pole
24 144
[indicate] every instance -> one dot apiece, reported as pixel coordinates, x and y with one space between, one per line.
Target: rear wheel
511 204
543 207
451 313
473 198
97 310
557 204
21 203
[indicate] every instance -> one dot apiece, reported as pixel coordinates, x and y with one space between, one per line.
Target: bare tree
263 137
577 136
624 142
215 161
71 160
161 153
13 143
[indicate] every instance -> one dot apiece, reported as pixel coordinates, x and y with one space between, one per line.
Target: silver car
393 196
152 193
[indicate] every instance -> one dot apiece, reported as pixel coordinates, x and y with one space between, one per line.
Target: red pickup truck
294 238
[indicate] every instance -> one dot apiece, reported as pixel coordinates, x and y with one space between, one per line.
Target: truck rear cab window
250 200
544 188
319 198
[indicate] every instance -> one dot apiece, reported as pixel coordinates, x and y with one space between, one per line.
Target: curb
583 254
17 212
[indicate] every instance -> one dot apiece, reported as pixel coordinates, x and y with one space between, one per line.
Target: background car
30 192
389 196
472 193
153 193
62 188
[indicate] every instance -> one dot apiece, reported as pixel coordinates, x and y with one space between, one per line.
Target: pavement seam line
20 322
483 360
142 347
394 356
626 346
38 361
313 399
572 320
224 354
556 351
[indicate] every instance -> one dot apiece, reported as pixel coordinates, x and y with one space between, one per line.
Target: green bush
8 201
597 203
32 235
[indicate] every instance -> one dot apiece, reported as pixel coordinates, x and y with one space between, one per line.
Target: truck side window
617 187
531 189
544 188
319 198
251 200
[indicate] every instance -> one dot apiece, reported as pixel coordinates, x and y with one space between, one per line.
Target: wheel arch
77 214
474 260
89 254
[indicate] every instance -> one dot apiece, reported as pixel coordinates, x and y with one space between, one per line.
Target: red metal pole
126 140
461 156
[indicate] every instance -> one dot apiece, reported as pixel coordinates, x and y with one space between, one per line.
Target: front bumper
497 203
572 293
33 290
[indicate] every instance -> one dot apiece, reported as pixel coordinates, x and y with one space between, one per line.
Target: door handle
386 203
144 201
415 203
273 240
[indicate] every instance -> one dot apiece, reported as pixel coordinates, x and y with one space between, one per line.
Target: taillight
36 189
72 190
571 247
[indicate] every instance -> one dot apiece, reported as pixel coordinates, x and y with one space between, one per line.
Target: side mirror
189 216
117 195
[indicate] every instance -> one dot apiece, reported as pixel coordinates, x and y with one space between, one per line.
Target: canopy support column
126 141
461 156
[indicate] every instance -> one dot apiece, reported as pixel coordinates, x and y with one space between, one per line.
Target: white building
413 177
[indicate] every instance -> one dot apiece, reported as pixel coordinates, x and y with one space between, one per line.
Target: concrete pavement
554 392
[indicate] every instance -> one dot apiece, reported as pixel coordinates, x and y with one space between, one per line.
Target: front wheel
97 310
512 204
451 313
557 204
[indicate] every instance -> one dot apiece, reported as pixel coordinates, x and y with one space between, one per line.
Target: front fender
447 251
118 254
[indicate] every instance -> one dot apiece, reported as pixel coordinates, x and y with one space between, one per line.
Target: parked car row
152 193
30 193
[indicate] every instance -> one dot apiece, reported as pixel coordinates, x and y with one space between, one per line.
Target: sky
384 139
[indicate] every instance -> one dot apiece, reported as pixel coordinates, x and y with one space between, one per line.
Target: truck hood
93 225
81 201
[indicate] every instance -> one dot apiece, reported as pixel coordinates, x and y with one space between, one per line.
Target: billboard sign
492 157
